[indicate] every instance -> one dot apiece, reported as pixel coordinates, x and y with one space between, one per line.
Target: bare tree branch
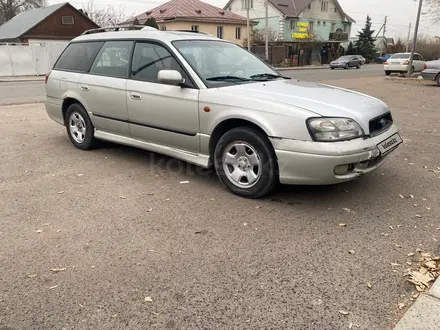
105 16
11 8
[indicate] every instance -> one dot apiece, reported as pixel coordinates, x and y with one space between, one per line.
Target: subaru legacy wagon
212 103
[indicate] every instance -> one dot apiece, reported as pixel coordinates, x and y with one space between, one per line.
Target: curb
20 80
302 68
423 315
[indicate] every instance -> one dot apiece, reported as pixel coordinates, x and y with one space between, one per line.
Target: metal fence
28 59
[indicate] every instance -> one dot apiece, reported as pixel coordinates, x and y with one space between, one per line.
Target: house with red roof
197 15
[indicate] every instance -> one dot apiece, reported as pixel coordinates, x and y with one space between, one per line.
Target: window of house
163 28
238 33
251 4
194 28
324 5
149 59
336 9
67 20
220 32
113 59
292 24
311 26
78 56
319 23
229 8
333 27
345 27
324 23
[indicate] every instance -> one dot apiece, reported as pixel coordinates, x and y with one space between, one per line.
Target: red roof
190 10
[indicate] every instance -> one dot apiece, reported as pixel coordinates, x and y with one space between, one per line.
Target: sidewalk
424 314
21 78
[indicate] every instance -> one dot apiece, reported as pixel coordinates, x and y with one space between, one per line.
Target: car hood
320 99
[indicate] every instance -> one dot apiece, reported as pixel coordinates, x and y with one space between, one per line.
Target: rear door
103 87
354 61
419 63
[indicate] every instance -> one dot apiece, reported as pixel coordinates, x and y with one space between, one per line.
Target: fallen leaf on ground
258 207
401 305
39 231
183 182
58 230
342 225
419 250
57 270
53 287
61 192
418 216
346 209
401 196
149 210
343 312
398 246
411 196
46 224
394 264
32 275
122 197
369 285
391 227
244 224
351 251
415 205
114 315
430 264
167 199
148 299
80 174
428 208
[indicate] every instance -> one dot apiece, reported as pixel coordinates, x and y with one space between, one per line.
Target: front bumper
339 65
314 163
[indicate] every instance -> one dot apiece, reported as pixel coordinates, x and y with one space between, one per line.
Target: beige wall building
200 16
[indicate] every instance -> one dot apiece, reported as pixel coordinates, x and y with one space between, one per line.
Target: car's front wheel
358 66
437 80
246 162
79 127
346 66
387 73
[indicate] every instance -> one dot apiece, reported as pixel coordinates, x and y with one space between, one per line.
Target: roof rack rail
191 31
114 28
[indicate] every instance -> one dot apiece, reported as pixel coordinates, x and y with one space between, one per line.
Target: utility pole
416 30
409 36
247 2
385 27
266 36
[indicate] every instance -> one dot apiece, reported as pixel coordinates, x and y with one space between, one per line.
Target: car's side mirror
170 77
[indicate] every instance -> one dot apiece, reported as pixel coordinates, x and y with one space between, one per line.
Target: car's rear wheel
358 66
437 80
346 66
332 68
387 73
246 163
79 127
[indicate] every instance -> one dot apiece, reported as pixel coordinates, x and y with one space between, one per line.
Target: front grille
380 124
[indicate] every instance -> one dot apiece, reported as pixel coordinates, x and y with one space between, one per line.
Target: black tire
346 66
387 73
437 80
332 68
89 141
358 66
268 177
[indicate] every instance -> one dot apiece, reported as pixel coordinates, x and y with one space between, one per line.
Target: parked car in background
398 63
346 61
363 60
211 103
432 71
384 58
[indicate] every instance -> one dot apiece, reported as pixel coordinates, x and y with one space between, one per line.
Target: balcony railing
338 36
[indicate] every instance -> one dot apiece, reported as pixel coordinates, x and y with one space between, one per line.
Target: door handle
135 96
84 87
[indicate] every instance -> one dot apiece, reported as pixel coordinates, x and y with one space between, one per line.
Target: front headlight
334 129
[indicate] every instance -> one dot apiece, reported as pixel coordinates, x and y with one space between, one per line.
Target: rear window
78 56
400 56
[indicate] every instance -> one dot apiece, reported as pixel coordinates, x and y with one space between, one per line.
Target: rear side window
78 57
113 60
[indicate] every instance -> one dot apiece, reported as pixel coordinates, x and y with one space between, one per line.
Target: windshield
400 56
344 58
221 63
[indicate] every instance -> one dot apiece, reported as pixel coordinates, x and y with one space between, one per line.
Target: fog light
341 169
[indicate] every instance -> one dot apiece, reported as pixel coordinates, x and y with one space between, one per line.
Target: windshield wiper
267 76
226 78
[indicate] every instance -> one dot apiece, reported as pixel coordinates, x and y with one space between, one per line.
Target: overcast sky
400 12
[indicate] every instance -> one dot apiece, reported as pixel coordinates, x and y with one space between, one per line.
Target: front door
162 114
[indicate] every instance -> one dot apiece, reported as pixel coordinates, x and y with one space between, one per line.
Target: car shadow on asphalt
284 194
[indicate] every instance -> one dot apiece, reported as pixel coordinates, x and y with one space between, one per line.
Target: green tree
350 49
151 22
365 44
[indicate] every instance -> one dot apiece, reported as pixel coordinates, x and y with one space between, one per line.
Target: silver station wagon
212 103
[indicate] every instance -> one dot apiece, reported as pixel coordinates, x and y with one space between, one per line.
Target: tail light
406 62
425 66
47 77
386 62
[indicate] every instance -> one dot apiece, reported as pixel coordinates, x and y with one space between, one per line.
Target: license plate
389 144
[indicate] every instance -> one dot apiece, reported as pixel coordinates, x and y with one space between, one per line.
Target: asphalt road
111 238
33 91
